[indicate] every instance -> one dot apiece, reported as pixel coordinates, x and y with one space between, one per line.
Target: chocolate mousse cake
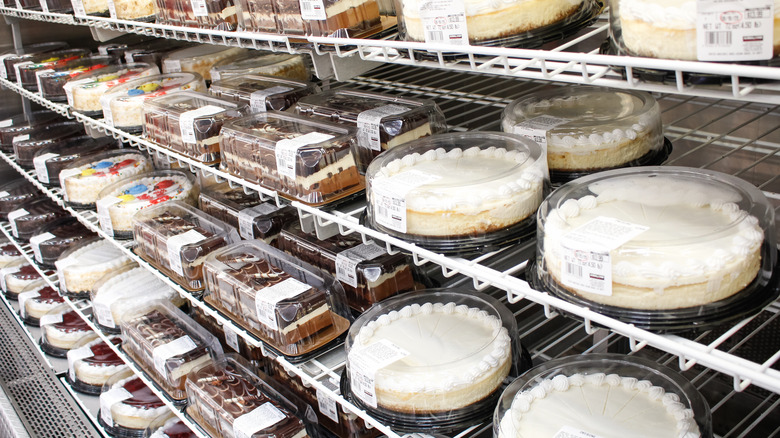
262 93
16 193
56 238
128 406
32 216
90 366
37 302
63 331
26 146
19 125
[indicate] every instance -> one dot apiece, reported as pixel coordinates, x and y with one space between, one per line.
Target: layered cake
84 93
257 16
26 146
665 28
679 238
83 180
490 20
128 406
304 159
172 428
123 104
383 121
279 65
366 271
448 356
118 202
168 344
262 93
454 185
142 10
51 160
246 212
35 303
80 268
227 400
95 7
16 193
199 59
18 126
91 365
58 237
50 83
177 238
209 14
62 330
263 290
352 17
588 128
18 278
32 216
26 71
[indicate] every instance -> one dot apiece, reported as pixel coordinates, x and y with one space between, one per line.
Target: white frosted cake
472 191
39 301
94 363
597 405
698 246
140 407
488 20
667 28
82 268
84 94
127 292
458 355
64 331
82 184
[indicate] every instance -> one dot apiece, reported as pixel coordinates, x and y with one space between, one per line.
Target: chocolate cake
56 238
26 148
16 193
49 161
32 216
262 93
257 16
50 83
355 18
18 126
26 53
26 71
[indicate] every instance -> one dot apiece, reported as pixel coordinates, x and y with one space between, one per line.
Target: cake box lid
285 126
254 87
153 86
345 105
109 77
10 127
208 107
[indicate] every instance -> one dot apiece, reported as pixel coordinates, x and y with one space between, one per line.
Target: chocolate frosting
72 322
142 396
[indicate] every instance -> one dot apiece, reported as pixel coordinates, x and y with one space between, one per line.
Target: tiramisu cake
84 179
118 202
303 159
56 238
80 268
285 302
85 92
677 237
92 364
456 185
354 17
128 406
262 93
178 238
37 302
62 330
588 128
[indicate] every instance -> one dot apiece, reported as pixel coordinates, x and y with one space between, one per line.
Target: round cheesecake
97 363
40 302
457 356
71 329
19 280
9 254
137 411
80 269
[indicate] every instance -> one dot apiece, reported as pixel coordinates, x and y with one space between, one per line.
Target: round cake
692 244
20 279
91 365
588 128
84 93
136 411
597 405
64 331
172 428
9 254
453 191
487 20
666 28
457 356
85 179
79 269
38 302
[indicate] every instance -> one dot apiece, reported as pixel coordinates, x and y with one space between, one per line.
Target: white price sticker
18 138
570 432
389 197
368 124
365 362
286 151
247 216
104 213
257 100
175 244
68 88
163 352
74 356
326 403
35 243
3 194
171 66
105 104
39 163
536 129
267 299
22 300
587 264
112 9
347 261
61 265
7 122
109 399
187 121
231 338
313 10
78 8
102 312
444 22
734 30
50 319
199 8
12 216
262 417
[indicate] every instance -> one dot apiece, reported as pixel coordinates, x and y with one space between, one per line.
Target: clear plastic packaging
587 129
366 271
228 400
280 65
432 360
78 269
383 121
51 160
57 237
354 19
84 179
203 14
230 340
62 329
153 51
597 395
177 238
82 8
458 193
253 218
257 16
123 104
128 406
118 202
685 248
262 93
26 71
11 58
84 93
27 145
36 300
166 426
167 344
199 59
301 158
290 305
32 216
16 193
17 276
18 126
123 291
51 83
92 363
139 10
189 123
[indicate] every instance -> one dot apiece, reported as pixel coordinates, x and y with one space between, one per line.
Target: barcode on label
718 38
573 269
435 35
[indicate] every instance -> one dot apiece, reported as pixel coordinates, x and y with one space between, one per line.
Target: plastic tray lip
162 103
342 133
69 66
176 80
125 182
234 81
319 105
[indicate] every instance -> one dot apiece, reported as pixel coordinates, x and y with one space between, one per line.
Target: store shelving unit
732 128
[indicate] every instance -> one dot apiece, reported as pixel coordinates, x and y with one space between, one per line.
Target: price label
257 100
7 122
187 121
347 261
39 163
104 213
13 216
286 151
35 243
77 355
444 22
369 123
18 138
231 338
365 362
734 30
326 403
50 319
389 197
109 399
536 128
78 8
175 244
105 104
261 418
171 65
266 300
3 194
112 9
163 352
571 432
102 312
313 10
199 8
247 216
